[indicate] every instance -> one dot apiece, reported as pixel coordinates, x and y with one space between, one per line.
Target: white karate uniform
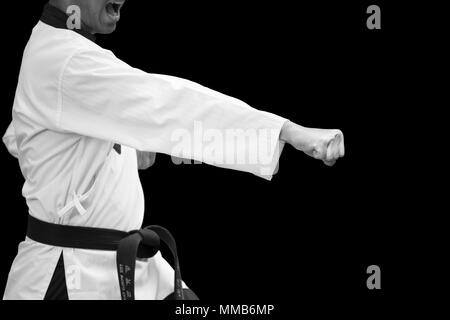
74 100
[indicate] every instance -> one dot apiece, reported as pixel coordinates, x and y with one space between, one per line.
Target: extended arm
104 98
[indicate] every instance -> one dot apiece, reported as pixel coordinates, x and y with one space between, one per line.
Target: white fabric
74 100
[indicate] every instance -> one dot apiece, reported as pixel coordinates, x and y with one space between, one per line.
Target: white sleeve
102 97
9 139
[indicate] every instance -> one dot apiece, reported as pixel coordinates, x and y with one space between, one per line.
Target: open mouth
113 8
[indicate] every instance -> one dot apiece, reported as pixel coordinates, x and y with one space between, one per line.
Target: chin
107 29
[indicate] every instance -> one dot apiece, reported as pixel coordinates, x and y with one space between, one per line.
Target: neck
60 4
63 5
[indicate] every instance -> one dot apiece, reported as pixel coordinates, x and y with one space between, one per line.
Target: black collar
58 19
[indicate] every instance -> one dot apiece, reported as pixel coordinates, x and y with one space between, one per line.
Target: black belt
142 243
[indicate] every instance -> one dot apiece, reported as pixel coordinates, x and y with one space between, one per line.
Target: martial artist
80 119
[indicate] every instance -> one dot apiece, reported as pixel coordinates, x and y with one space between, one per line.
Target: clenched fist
323 144
145 159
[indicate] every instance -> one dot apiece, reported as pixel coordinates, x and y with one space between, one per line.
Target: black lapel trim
118 148
58 19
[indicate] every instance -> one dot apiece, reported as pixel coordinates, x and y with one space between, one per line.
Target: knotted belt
143 243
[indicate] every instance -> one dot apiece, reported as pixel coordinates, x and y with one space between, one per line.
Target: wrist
285 134
289 131
295 135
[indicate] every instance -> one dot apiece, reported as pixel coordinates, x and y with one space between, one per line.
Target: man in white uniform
79 116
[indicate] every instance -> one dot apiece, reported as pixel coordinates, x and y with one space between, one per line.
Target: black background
310 233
